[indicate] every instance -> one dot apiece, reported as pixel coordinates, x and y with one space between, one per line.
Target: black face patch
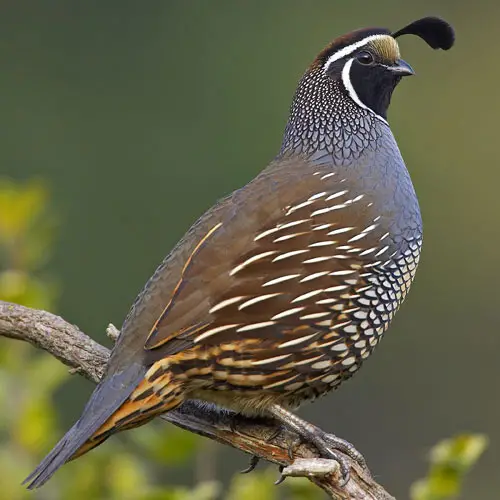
372 81
373 85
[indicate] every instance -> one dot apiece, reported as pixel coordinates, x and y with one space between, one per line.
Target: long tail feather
108 396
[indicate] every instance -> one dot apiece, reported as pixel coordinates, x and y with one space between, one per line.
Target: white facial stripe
346 80
350 49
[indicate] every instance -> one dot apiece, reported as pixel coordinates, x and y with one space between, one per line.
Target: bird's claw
346 448
330 445
254 460
281 477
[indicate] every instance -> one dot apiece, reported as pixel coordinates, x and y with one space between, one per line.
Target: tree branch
260 437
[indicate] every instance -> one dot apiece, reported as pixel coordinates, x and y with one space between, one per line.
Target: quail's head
348 87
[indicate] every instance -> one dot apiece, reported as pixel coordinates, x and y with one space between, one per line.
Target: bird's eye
365 57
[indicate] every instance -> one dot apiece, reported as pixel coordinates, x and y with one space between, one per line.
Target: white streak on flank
328 209
215 330
368 251
373 264
316 196
313 276
340 230
266 233
370 228
306 296
255 326
299 206
381 251
377 218
280 382
384 236
279 228
337 288
297 341
257 299
317 259
336 195
254 258
327 175
349 49
316 315
292 223
225 303
326 301
343 272
271 360
288 254
323 244
354 200
346 80
308 360
288 237
340 325
281 279
288 312
327 323
321 227
363 233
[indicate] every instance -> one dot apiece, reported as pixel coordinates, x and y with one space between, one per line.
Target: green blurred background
139 115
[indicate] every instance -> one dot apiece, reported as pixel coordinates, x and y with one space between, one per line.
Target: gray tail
108 396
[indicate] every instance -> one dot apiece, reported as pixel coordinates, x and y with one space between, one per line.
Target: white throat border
346 70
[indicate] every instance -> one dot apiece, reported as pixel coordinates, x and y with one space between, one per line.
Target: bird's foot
335 448
329 446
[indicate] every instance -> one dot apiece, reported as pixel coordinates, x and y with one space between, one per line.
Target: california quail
280 291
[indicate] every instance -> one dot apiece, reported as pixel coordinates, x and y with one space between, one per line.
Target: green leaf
451 459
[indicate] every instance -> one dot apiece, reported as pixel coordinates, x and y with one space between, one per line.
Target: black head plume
433 30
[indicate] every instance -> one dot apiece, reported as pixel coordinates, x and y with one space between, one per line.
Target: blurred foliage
450 459
29 380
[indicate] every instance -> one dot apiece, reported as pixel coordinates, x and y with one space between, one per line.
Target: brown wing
276 265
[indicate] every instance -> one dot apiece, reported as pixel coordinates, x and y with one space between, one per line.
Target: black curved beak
401 68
